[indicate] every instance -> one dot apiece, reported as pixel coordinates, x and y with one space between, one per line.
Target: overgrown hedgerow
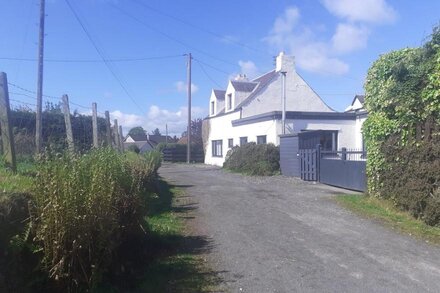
412 178
254 159
84 208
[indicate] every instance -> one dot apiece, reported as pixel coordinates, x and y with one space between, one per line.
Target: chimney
285 63
241 77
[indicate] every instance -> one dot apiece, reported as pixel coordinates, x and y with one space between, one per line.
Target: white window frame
217 148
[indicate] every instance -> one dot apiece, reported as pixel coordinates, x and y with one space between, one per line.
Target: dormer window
212 108
229 102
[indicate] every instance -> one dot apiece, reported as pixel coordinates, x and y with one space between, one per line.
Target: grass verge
384 211
19 182
178 265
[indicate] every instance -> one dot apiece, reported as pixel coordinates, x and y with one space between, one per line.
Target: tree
138 130
156 132
196 131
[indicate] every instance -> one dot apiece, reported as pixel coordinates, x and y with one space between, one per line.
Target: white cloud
182 87
311 55
314 57
370 11
249 68
349 37
158 118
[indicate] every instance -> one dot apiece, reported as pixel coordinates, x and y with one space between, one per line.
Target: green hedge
254 159
412 178
402 96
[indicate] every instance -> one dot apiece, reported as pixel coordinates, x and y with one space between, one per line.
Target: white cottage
251 111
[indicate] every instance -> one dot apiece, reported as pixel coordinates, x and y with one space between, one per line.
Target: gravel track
280 234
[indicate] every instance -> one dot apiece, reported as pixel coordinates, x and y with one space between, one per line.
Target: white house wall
299 97
222 129
346 129
359 123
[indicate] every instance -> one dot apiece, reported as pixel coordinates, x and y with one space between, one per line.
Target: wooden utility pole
39 119
6 128
121 138
95 125
188 132
69 133
116 135
108 130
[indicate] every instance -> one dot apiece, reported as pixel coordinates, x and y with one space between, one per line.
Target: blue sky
334 42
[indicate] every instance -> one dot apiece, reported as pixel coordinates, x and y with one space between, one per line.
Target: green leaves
85 205
402 93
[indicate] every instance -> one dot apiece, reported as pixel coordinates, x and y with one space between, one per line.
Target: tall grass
84 207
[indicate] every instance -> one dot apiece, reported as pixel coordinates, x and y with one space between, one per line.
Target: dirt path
278 234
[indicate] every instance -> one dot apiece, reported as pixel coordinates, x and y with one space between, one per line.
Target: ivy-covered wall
402 96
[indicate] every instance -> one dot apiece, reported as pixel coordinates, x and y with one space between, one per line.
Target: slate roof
244 86
220 94
262 82
159 138
138 137
361 98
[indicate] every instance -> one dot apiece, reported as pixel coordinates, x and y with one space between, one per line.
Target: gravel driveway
279 234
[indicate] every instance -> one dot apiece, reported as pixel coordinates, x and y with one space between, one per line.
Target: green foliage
85 206
138 130
54 130
254 159
402 94
134 148
412 179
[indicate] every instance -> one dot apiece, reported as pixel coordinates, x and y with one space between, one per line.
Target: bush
85 206
254 159
134 148
412 178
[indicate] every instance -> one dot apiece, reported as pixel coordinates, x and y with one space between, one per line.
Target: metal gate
345 168
309 164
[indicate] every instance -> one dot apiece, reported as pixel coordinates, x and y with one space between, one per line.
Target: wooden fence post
116 135
121 138
108 130
69 133
95 125
6 128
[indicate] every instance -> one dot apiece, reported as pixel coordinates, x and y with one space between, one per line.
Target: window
328 139
261 139
229 101
243 140
217 148
212 108
230 143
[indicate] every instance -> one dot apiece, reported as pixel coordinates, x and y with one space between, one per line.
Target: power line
46 96
207 75
199 28
100 53
211 66
30 91
65 60
169 36
21 102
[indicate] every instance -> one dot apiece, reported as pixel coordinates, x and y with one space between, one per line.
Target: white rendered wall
347 136
299 97
219 104
359 122
222 129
